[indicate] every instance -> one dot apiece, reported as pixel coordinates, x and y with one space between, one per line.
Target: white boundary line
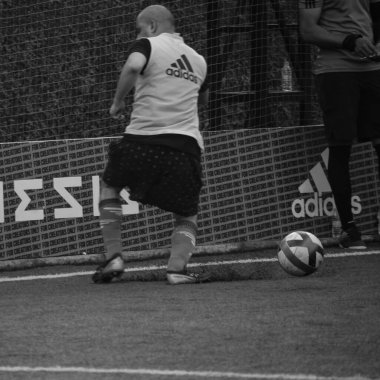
160 267
166 372
180 373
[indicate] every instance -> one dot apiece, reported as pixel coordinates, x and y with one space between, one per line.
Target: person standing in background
347 72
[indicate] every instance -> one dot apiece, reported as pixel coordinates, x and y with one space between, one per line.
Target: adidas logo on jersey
182 69
319 205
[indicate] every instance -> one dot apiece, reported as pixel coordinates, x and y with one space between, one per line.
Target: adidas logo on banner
182 69
318 205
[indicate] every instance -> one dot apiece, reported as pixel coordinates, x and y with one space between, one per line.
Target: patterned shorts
156 175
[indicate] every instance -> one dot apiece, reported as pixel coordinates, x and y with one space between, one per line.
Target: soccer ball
300 253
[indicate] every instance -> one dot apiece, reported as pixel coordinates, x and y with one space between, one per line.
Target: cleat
177 278
351 239
110 269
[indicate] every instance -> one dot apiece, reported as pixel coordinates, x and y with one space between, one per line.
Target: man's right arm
138 57
313 33
128 77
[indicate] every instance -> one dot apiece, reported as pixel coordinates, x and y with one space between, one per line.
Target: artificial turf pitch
253 320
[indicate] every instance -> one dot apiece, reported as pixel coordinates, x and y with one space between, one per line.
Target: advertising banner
258 184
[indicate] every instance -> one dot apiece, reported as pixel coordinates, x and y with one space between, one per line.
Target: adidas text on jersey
181 74
182 69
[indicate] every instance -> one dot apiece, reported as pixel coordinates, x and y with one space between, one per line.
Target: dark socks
339 178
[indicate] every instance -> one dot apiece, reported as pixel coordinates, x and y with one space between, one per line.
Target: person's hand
117 109
376 57
364 48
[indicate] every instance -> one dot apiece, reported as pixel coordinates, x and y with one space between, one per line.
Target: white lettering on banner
355 204
2 215
60 184
21 214
76 210
130 208
95 194
317 206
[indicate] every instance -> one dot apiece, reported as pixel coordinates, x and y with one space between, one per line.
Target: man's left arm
203 96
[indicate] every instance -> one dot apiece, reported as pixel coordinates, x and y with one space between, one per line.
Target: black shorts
350 102
156 175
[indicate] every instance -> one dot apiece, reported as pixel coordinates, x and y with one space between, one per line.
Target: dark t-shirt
341 18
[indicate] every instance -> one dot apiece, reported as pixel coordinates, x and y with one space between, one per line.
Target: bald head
154 20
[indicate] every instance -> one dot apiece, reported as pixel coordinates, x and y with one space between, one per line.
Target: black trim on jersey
142 46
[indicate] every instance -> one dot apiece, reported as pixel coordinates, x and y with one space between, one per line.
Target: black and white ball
300 253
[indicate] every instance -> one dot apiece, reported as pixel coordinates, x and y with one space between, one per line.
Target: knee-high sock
183 244
110 224
339 178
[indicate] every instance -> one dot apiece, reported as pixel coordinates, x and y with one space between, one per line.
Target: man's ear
153 26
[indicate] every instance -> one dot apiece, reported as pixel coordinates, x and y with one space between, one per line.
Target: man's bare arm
127 80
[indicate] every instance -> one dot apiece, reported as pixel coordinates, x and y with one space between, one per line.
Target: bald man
159 157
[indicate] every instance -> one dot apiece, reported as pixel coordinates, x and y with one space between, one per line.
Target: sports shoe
351 238
112 268
177 278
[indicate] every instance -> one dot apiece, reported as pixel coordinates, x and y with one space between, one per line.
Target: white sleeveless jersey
166 94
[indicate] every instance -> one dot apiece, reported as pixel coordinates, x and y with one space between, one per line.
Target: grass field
254 321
